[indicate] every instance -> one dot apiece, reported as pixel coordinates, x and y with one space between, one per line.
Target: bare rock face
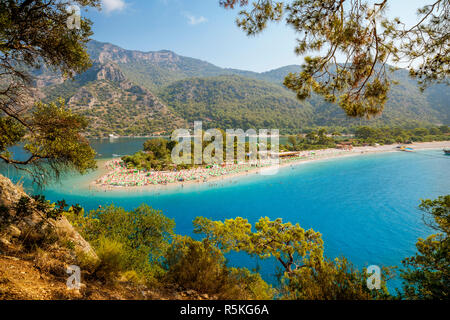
34 225
9 193
65 229
109 72
106 52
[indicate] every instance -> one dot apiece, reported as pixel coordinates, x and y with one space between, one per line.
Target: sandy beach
112 174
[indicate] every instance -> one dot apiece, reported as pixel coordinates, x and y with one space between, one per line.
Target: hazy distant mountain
152 69
138 93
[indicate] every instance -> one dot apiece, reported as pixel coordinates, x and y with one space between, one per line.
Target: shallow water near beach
366 207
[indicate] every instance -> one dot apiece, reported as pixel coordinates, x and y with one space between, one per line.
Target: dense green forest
151 93
236 102
321 138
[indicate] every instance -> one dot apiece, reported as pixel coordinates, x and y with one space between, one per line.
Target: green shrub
144 235
336 279
426 275
69 244
195 265
250 286
41 203
198 266
112 258
23 206
132 276
87 263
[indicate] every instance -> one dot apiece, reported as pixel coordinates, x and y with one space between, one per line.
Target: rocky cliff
35 252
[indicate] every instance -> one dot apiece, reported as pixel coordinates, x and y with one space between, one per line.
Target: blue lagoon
366 207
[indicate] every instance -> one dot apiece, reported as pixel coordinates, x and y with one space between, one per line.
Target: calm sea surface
366 207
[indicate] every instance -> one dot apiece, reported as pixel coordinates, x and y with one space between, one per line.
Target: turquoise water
364 206
123 146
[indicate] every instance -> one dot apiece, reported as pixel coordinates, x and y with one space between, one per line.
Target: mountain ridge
130 92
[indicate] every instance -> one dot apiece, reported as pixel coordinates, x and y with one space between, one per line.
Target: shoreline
314 155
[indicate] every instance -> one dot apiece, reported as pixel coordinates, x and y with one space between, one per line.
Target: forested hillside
236 102
115 105
143 93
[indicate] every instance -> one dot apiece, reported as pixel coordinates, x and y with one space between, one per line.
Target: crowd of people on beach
121 176
124 177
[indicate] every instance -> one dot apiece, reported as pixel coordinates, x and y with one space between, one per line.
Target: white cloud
113 5
192 20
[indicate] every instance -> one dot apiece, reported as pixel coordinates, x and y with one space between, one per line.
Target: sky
202 29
